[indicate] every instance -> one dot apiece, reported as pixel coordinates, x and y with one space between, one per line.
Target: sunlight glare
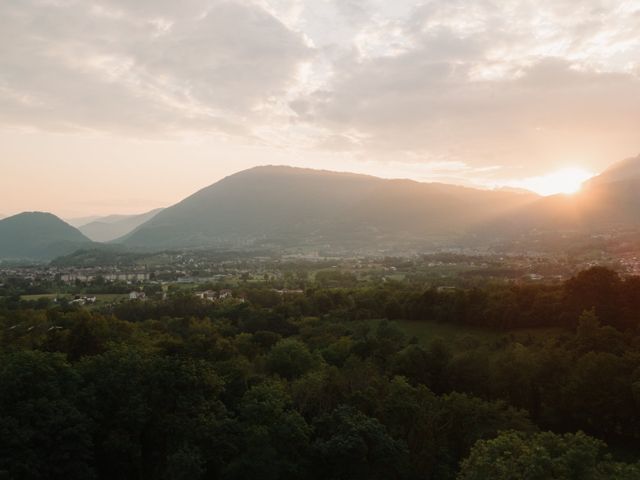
566 181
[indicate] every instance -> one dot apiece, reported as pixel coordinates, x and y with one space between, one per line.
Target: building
137 296
210 295
225 294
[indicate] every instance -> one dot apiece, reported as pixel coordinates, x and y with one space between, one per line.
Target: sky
121 106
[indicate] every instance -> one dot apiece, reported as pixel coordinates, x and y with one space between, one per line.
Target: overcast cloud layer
484 91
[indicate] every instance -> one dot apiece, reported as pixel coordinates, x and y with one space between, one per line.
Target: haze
114 106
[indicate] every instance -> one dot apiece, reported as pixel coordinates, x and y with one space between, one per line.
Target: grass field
459 336
101 298
39 296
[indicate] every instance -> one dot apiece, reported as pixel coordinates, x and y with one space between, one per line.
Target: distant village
214 279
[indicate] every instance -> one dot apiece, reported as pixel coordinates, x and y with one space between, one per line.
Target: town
217 276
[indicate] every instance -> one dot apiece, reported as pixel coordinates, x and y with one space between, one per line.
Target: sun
566 181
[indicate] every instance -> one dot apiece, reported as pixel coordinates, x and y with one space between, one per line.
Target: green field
39 296
459 336
101 298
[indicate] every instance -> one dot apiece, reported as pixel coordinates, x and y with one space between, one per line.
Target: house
210 295
225 294
82 300
446 289
286 291
137 296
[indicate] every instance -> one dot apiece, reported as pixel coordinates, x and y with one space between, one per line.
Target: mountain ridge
106 229
626 169
306 206
607 201
281 206
38 236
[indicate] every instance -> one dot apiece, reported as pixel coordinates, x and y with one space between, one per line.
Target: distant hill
38 236
101 255
80 221
292 207
608 201
625 170
105 229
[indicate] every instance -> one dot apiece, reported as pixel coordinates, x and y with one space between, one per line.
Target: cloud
524 86
515 83
140 67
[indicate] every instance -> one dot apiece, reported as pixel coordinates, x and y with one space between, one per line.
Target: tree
413 363
463 420
43 433
290 358
543 456
412 413
597 395
153 414
272 439
592 337
351 446
599 289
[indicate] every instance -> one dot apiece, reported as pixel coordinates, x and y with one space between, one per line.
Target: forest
326 384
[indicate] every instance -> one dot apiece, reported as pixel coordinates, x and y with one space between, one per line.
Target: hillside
38 236
80 221
109 228
625 170
608 201
294 207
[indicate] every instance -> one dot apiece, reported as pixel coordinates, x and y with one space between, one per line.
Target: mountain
80 221
105 229
625 170
608 201
294 207
38 236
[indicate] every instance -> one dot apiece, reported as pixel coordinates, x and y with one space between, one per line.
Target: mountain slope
109 228
77 222
625 170
38 236
293 206
608 201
